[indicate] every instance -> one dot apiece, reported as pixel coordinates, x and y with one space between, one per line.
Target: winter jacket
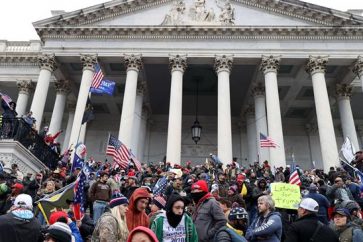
107 229
267 229
323 205
335 194
223 235
303 229
134 217
208 219
23 227
75 232
100 191
158 225
350 233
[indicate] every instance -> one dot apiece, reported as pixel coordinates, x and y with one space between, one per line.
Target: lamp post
196 127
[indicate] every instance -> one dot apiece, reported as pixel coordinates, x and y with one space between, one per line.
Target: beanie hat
201 185
3 188
18 186
60 232
118 199
159 201
53 218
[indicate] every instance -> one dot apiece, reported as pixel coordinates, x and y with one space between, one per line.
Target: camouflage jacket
107 229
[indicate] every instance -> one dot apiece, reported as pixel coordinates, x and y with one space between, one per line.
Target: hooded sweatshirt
142 229
134 217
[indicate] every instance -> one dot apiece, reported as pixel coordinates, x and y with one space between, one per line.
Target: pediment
122 13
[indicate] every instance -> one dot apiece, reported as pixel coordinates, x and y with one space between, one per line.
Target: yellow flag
244 190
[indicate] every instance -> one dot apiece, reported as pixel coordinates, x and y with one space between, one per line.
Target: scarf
173 219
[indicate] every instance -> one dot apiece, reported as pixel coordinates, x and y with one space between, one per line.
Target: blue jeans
98 210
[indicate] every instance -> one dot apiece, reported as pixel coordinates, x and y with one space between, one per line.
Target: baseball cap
342 211
24 201
309 204
201 185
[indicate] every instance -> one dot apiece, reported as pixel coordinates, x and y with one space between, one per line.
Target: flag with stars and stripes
79 196
267 142
6 99
160 186
119 152
136 161
97 77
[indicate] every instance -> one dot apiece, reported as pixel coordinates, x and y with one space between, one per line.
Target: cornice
18 60
204 32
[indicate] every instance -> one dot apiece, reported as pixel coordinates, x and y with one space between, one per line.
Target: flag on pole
58 200
347 150
119 152
136 161
295 178
79 196
160 186
267 142
97 76
106 87
6 99
79 156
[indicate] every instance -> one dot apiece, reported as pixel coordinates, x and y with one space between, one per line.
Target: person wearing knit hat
208 216
157 207
112 225
59 232
235 198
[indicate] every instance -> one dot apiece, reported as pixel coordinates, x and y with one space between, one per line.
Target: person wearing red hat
208 216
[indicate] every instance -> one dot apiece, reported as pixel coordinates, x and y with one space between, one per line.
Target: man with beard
267 227
208 216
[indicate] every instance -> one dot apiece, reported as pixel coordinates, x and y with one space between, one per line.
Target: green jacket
158 224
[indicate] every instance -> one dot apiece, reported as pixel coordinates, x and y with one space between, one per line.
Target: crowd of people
182 203
162 202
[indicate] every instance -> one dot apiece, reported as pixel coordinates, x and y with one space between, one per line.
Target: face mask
196 196
147 183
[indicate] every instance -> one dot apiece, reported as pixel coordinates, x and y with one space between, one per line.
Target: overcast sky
16 16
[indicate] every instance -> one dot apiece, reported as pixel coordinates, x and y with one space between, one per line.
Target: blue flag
79 156
106 87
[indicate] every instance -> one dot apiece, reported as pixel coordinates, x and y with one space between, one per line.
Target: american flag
136 161
97 77
6 99
295 178
119 152
160 186
266 142
79 196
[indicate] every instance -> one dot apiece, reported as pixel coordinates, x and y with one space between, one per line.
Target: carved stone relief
199 13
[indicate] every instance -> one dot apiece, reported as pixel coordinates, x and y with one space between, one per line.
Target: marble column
269 66
138 119
316 66
344 92
63 88
143 132
251 134
178 65
258 93
358 69
133 64
47 65
25 87
71 105
223 67
88 62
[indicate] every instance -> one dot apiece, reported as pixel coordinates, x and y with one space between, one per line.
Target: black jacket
19 230
303 229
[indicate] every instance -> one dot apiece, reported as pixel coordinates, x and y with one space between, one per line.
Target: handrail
17 129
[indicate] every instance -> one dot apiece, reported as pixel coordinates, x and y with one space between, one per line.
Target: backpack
232 234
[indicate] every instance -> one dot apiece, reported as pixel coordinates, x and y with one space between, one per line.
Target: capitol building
287 69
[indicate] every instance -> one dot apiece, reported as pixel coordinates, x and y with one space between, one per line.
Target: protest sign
285 195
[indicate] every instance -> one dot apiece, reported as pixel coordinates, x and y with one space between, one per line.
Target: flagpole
108 140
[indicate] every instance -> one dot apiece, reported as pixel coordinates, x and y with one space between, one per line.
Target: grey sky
16 16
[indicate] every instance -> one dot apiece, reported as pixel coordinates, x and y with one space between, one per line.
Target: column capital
141 88
344 91
133 62
62 86
47 62
248 111
25 86
71 105
223 63
358 67
178 63
270 64
88 62
316 64
258 90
